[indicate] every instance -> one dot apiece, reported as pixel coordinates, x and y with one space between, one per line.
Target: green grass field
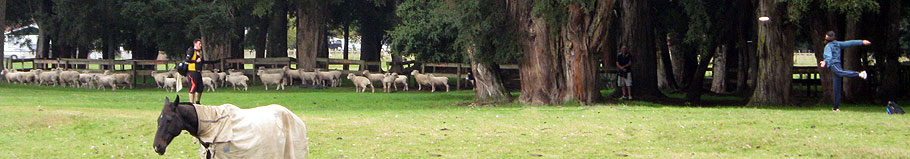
53 122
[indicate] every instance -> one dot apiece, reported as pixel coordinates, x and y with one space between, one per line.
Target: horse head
170 124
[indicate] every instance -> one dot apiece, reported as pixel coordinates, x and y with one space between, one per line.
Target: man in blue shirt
624 74
833 52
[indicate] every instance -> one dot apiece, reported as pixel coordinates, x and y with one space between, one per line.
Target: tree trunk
347 34
310 33
237 44
718 82
586 35
775 56
638 33
695 89
278 30
821 22
2 38
542 82
853 87
488 85
259 34
371 46
891 89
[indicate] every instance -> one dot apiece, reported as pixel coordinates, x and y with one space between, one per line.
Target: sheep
272 78
120 78
238 79
11 75
291 75
47 77
361 83
420 78
307 76
374 77
28 77
221 78
170 84
402 79
105 80
69 78
160 77
212 76
388 80
234 72
274 70
321 77
209 82
87 80
433 81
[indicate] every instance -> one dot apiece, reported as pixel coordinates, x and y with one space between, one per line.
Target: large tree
638 35
775 55
311 32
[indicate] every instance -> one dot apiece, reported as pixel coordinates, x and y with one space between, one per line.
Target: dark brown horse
175 117
227 131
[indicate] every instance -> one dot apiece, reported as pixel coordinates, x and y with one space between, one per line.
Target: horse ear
177 100
166 100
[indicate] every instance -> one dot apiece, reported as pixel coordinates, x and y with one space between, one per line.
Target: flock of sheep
278 77
65 78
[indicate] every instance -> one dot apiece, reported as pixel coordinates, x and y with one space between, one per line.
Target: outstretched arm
851 43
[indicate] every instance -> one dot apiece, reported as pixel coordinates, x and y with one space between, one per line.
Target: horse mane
187 111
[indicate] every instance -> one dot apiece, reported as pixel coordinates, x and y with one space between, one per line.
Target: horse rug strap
263 132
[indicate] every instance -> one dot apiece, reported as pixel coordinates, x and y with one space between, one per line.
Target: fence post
134 73
458 78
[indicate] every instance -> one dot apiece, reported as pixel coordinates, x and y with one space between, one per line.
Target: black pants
195 80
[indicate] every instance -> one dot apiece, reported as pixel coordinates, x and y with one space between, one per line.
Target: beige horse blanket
264 132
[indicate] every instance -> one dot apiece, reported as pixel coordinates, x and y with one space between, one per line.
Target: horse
227 131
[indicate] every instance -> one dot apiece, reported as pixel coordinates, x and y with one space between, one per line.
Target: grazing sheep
234 72
10 75
273 70
374 77
238 79
336 77
120 78
170 84
209 82
105 80
402 79
387 81
438 81
361 83
69 78
272 78
222 76
307 76
160 77
420 78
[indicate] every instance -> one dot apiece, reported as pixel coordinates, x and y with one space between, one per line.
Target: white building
21 42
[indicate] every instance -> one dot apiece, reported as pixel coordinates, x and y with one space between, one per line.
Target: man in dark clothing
833 61
624 78
194 65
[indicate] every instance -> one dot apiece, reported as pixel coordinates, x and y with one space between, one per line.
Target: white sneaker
630 98
863 75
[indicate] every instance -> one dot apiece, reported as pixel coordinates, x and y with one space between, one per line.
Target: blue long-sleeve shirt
834 50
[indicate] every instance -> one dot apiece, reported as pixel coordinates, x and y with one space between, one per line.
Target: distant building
21 42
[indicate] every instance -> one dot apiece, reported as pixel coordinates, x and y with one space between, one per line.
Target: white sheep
222 76
388 80
401 79
321 77
28 77
170 84
272 78
361 83
160 77
238 79
69 78
433 81
87 80
307 76
11 75
105 80
212 76
291 75
120 78
47 77
209 82
420 78
374 77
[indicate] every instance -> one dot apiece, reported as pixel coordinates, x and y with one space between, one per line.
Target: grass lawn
53 122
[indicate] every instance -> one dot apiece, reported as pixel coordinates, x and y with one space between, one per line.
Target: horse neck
188 115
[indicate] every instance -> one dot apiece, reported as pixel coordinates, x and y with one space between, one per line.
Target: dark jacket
192 61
